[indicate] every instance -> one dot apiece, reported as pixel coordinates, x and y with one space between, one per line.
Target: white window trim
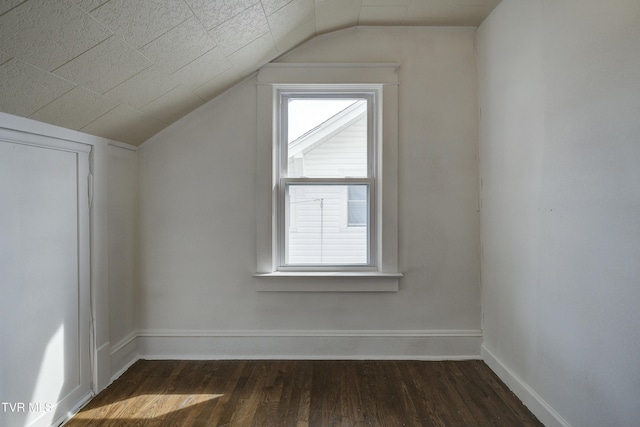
385 78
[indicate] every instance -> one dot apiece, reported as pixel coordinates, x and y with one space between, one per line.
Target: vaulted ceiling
126 69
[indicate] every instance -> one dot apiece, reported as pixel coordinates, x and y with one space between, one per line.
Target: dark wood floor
306 393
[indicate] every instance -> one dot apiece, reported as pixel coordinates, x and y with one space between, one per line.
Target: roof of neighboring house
328 129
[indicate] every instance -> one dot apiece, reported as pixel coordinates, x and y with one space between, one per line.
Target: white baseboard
123 355
102 374
361 345
62 419
532 400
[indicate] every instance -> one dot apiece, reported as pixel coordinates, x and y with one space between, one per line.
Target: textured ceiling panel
105 66
142 21
179 46
124 124
115 124
213 87
143 88
215 12
289 17
125 69
75 109
4 58
379 15
24 88
203 69
304 31
241 30
89 5
256 52
270 6
386 2
173 104
6 5
48 33
432 10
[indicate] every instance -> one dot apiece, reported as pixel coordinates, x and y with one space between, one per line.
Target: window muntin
326 146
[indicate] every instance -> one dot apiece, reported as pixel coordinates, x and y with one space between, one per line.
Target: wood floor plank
424 386
468 392
306 394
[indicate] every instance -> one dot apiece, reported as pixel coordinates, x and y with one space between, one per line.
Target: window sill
328 281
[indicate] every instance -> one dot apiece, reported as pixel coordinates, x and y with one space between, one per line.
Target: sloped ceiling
126 69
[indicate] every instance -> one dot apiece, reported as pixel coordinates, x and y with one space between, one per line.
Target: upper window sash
322 92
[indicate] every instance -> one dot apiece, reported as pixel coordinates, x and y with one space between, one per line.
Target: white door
44 282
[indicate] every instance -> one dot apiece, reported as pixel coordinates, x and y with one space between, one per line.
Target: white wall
197 296
560 220
122 221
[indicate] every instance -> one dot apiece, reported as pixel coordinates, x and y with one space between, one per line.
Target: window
326 141
326 177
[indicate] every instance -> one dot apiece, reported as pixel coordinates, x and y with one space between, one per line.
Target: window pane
357 206
357 192
317 231
327 137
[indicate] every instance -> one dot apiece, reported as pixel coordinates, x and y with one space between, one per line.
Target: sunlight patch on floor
146 406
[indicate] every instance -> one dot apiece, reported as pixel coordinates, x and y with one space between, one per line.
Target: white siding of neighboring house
322 235
345 154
